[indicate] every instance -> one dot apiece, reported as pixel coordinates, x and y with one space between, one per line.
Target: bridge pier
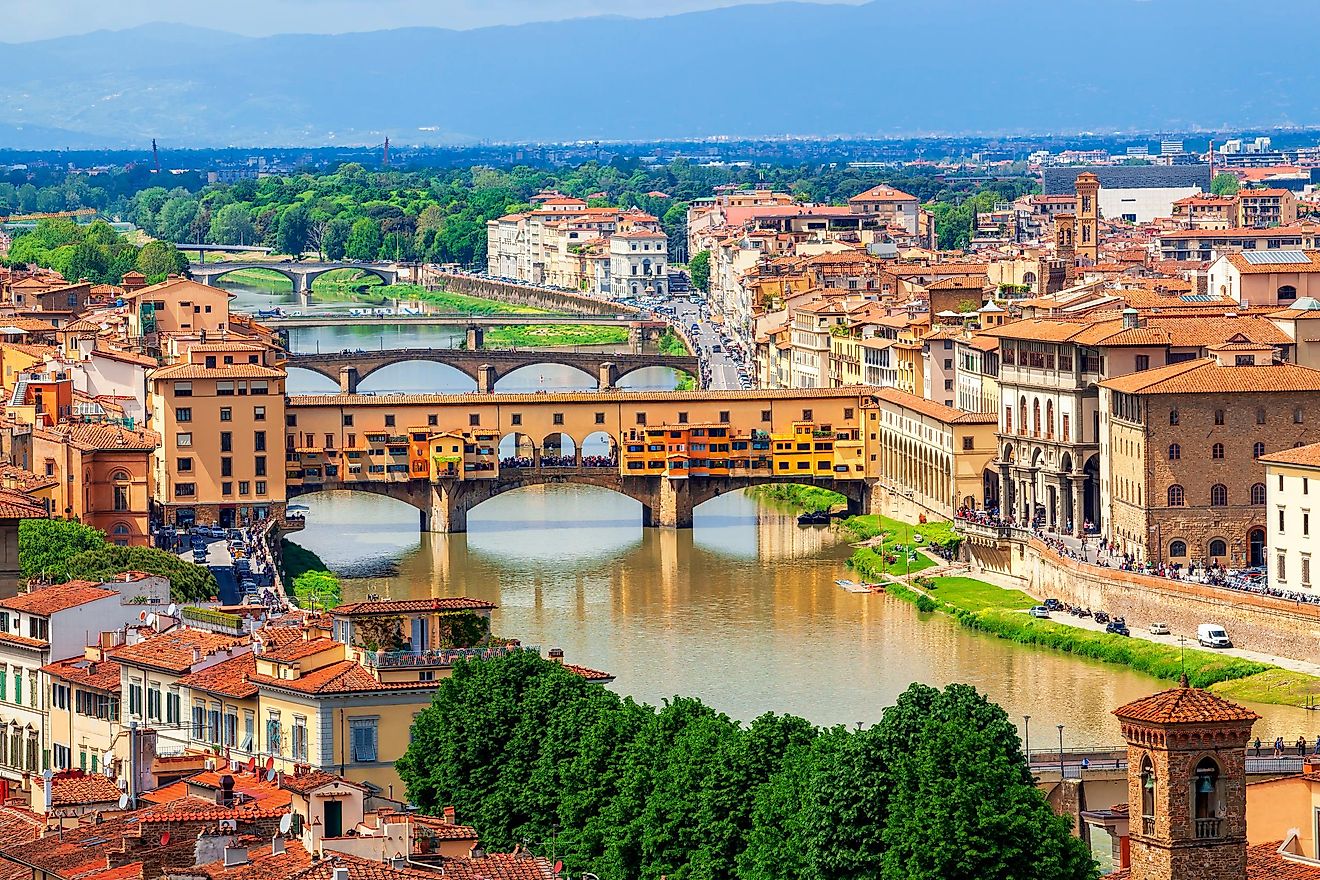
607 376
485 379
348 380
476 337
671 505
448 511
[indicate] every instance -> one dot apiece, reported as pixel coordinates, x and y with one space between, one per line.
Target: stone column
674 510
485 379
1079 497
607 375
348 380
476 337
448 513
1035 488
1004 482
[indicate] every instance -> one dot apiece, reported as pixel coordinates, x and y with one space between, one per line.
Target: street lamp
1026 733
1061 754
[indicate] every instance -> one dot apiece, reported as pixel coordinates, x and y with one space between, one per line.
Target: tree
232 224
334 241
188 582
699 270
364 240
319 590
45 546
291 234
158 259
176 219
1224 184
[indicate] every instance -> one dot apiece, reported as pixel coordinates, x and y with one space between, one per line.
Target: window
258 414
557 418
389 421
348 421
1283 520
1219 417
1148 794
1297 416
59 696
600 418
1257 450
515 419
432 420
231 728
226 413
766 415
185 490
1217 451
244 487
969 443
224 389
249 730
60 755
273 733
260 464
1260 415
1173 417
226 441
299 739
183 414
1306 571
806 415
226 466
183 389
227 487
1178 549
1306 523
1177 497
259 441
183 441
173 709
641 418
363 732
1218 548
1143 362
121 501
682 418
1218 495
153 703
1175 452
1258 493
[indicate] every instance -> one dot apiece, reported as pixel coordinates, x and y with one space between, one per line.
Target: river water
741 611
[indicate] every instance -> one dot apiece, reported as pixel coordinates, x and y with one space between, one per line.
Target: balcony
444 657
1208 829
1148 825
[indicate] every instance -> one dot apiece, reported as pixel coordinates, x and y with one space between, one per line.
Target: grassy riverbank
296 559
810 499
986 608
672 343
553 335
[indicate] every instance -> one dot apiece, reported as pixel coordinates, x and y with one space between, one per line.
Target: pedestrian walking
1301 745
1278 747
1257 745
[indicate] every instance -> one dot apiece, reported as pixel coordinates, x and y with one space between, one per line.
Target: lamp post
1026 734
1060 754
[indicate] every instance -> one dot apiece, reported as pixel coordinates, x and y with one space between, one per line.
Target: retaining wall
536 297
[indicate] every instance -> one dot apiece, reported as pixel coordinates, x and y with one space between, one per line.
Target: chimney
197 655
339 873
397 861
1130 319
451 816
235 856
557 655
276 845
225 795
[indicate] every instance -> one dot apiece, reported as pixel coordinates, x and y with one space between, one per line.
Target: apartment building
1182 450
177 306
220 415
893 206
1206 211
1266 207
1266 278
1292 483
85 728
1206 244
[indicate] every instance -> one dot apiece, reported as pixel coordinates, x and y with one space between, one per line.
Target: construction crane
48 215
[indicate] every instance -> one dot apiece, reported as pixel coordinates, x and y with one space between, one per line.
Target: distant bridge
487 366
301 274
445 319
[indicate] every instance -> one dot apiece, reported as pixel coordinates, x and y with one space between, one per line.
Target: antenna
172 611
270 775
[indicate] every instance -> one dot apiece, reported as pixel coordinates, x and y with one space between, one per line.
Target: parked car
1040 611
1053 604
1118 627
1159 629
1212 635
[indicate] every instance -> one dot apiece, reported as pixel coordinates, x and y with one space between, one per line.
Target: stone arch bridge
666 503
486 366
301 274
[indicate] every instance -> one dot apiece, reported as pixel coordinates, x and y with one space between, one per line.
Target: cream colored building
1292 487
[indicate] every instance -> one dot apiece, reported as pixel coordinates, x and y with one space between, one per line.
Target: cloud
26 20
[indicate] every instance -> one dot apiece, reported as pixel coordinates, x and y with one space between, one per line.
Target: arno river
741 611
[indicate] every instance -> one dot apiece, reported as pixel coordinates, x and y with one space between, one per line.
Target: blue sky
26 20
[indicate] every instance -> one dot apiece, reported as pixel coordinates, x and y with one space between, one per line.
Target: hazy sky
41 19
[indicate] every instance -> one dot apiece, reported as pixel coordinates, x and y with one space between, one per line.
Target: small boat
818 518
853 586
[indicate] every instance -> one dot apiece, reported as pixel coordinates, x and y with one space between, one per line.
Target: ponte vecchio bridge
446 454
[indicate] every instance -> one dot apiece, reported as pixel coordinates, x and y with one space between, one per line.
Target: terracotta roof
883 193
101 435
1184 705
25 480
101 675
593 675
220 371
91 788
934 410
229 678
1206 376
476 399
343 677
73 852
499 866
49 600
305 783
367 869
23 641
195 809
173 651
397 606
1246 267
1306 456
296 649
262 864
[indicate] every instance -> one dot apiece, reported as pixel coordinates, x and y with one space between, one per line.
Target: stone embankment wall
526 295
1255 622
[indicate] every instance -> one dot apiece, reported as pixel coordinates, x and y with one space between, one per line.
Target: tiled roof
173 651
263 864
297 649
101 675
397 606
98 435
364 869
16 505
74 851
475 399
195 809
934 410
1306 456
228 678
499 866
883 193
1246 267
304 783
93 788
1264 862
1184 705
60 597
343 677
593 675
25 480
223 371
1206 376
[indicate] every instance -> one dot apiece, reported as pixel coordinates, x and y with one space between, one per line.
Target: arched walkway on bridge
418 377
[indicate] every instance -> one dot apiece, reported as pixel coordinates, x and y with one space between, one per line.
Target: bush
188 582
317 590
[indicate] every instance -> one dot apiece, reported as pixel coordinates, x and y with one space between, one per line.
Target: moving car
1159 629
1040 611
1212 635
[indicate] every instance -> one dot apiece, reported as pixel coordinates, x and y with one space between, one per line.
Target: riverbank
554 335
808 499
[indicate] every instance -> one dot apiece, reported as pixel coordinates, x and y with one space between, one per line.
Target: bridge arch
639 368
523 378
558 449
387 276
211 277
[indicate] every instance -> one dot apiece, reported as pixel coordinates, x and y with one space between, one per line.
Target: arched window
1258 494
119 534
1207 799
1177 498
1148 791
1035 417
1028 278
1219 495
1218 549
1173 417
120 476
1287 293
1258 450
1175 452
1178 549
1049 418
1217 451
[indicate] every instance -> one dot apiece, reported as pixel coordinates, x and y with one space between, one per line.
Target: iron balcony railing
440 656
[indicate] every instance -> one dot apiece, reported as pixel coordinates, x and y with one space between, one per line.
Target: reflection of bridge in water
487 366
445 454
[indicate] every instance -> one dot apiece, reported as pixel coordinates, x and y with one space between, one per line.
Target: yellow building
84 711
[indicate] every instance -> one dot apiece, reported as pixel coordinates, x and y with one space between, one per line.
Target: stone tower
1187 781
1062 269
1088 219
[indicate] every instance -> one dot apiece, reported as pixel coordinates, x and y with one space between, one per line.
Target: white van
1212 635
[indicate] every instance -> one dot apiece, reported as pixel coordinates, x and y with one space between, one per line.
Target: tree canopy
532 752
317 590
699 270
1224 184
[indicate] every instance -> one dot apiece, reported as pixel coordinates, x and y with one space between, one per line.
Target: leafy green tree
232 224
175 223
158 259
334 241
45 546
699 270
364 240
188 582
317 590
291 237
1224 184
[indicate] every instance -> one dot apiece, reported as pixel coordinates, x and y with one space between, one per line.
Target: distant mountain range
890 67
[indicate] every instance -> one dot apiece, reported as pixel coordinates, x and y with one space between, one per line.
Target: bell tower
1065 258
1187 782
1088 218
